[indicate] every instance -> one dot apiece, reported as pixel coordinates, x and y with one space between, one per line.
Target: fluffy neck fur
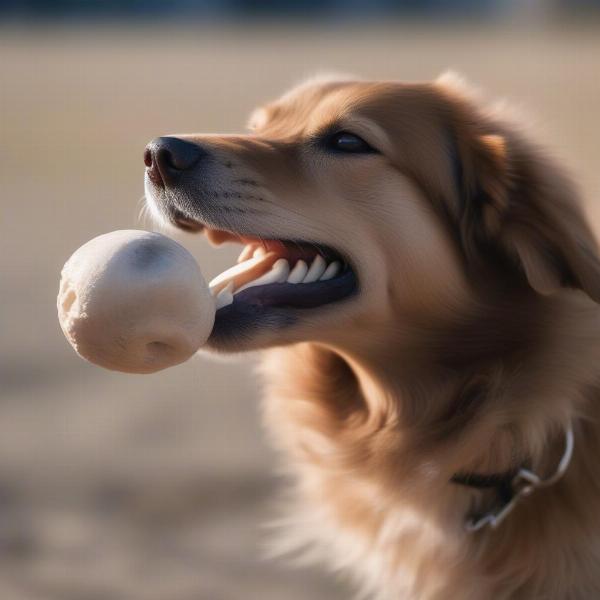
374 435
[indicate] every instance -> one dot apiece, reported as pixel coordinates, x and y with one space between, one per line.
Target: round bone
134 301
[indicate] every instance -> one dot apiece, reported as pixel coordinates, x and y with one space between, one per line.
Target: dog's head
370 206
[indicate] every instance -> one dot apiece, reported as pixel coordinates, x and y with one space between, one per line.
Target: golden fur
473 342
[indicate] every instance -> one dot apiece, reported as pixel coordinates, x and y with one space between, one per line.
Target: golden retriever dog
425 285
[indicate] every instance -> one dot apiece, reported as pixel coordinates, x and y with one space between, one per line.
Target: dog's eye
344 141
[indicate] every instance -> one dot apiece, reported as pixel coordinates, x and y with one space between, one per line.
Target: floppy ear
519 201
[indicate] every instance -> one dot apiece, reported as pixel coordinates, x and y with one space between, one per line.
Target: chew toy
134 301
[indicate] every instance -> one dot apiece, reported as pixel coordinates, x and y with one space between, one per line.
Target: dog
424 285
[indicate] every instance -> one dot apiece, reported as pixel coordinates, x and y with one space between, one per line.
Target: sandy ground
157 487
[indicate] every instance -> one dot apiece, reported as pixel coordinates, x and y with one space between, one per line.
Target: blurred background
158 487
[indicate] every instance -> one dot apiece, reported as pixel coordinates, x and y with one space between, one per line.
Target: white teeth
298 272
223 285
233 271
331 271
316 269
225 296
278 274
284 270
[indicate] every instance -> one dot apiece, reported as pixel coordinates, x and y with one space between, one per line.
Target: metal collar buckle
524 483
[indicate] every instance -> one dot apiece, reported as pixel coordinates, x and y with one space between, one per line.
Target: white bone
134 301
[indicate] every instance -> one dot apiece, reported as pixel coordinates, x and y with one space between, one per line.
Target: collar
511 486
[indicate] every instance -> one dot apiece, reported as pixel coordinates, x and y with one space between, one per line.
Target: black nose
167 157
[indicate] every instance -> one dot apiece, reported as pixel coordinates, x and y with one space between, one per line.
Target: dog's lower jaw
375 500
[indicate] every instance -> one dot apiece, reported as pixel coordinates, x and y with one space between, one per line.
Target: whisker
142 211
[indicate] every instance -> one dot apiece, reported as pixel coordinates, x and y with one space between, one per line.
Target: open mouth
282 274
274 284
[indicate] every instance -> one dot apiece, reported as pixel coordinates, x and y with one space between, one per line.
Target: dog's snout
167 157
